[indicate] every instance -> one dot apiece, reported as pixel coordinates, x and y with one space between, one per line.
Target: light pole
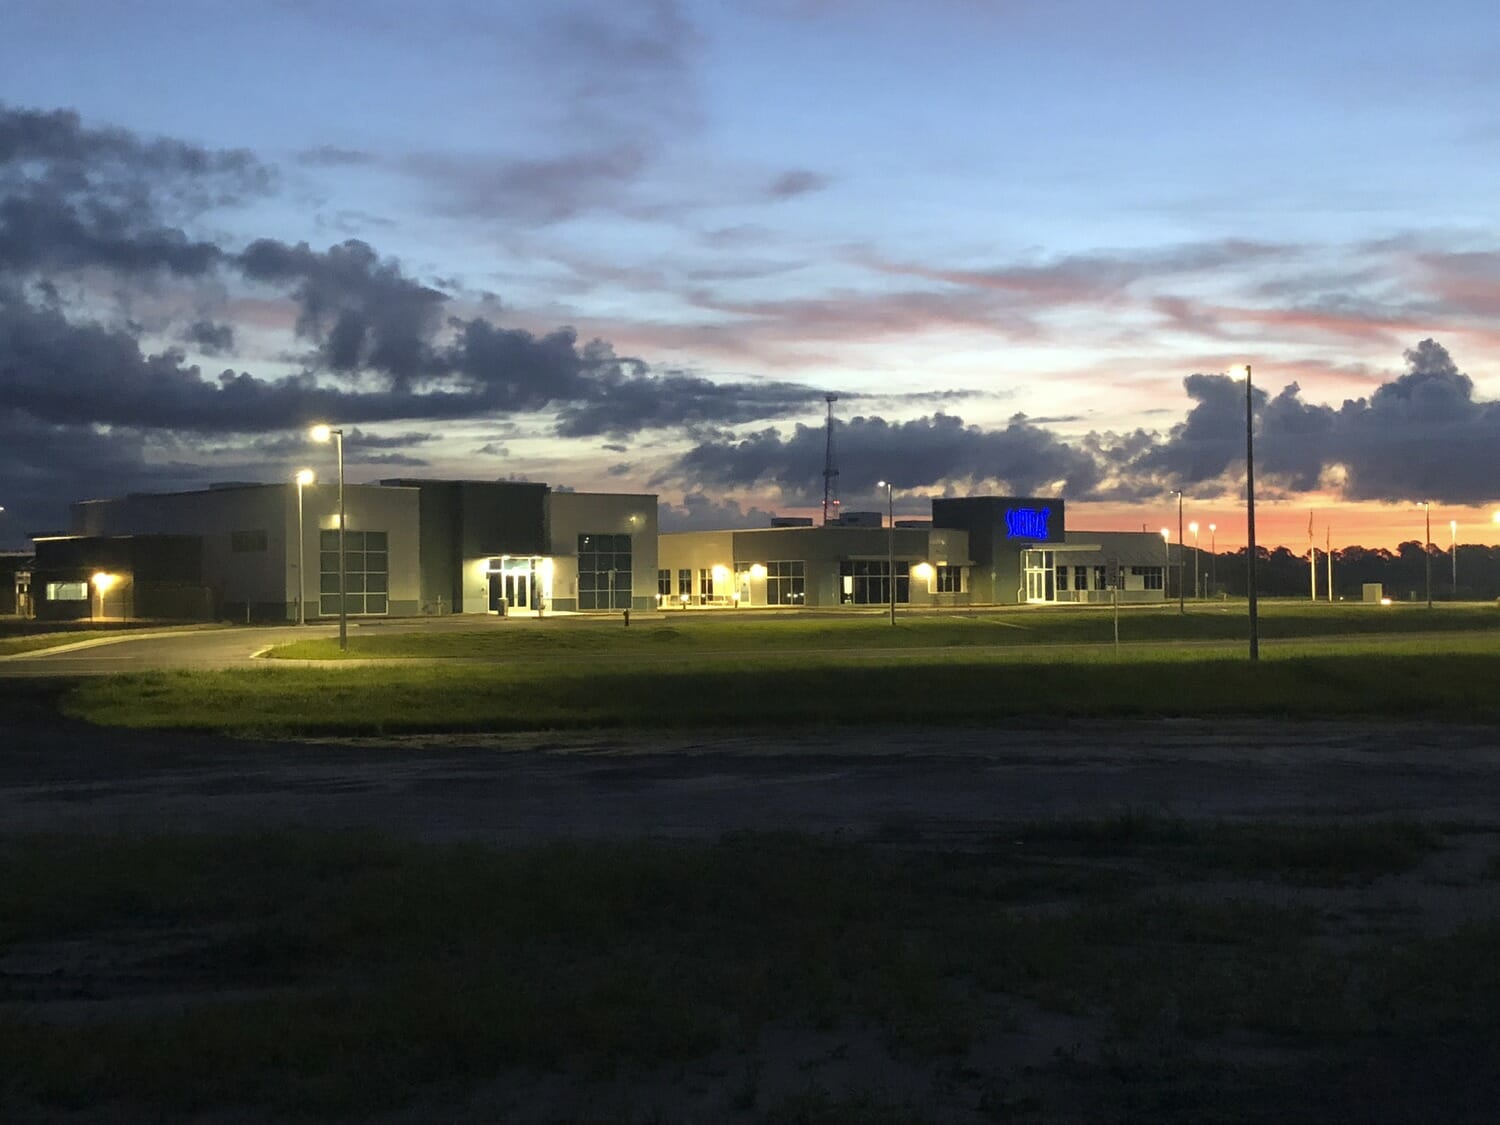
890 544
1166 549
304 478
323 433
1453 553
1250 518
1197 587
1181 592
1213 557
1427 549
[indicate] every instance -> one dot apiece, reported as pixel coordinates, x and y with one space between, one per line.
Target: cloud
1419 436
209 338
700 512
361 312
332 156
74 197
798 181
924 453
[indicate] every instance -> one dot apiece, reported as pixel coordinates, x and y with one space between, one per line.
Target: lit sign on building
1026 523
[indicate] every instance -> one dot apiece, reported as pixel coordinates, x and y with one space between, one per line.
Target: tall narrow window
604 572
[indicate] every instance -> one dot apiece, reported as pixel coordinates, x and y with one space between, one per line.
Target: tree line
1402 572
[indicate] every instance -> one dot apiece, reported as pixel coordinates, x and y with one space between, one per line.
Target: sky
1029 244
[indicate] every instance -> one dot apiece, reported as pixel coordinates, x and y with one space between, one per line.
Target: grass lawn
27 638
1449 677
316 976
750 633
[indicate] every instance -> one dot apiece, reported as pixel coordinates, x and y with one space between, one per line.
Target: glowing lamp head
103 581
757 570
321 432
721 574
1166 535
1193 527
1213 527
922 571
305 477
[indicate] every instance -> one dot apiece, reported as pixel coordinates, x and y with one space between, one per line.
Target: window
67 591
367 573
664 583
1081 578
604 578
786 582
685 583
1062 578
706 584
1151 574
1101 577
950 579
867 582
242 542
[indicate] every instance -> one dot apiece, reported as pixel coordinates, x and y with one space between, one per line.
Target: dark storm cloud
700 512
74 197
623 404
921 453
209 338
362 313
1419 436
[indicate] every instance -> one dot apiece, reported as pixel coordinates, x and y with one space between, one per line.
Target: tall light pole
323 433
1453 553
304 478
1427 549
1181 591
1166 550
1250 518
890 543
1197 587
1213 557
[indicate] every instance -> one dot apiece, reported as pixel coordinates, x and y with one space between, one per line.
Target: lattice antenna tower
830 471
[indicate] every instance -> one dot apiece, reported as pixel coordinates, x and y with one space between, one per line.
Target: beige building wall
571 514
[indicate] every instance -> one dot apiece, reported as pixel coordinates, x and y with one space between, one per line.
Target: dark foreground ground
1154 921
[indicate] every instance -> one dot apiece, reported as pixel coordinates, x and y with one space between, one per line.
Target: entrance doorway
514 585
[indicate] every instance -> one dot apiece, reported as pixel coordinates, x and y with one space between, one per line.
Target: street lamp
323 433
1166 549
1250 515
1181 593
304 478
890 543
1197 581
1453 553
1213 557
1427 549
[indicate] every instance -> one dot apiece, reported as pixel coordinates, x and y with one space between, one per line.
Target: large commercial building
265 551
270 552
984 550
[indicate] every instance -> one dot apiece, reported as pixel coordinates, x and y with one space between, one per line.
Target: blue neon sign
1026 523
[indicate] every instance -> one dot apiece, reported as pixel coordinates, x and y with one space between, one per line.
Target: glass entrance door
518 591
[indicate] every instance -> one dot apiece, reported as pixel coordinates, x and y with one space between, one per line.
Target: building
15 583
985 550
264 551
519 547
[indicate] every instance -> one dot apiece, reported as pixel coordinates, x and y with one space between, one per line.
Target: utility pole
830 474
1250 517
1181 593
1427 549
